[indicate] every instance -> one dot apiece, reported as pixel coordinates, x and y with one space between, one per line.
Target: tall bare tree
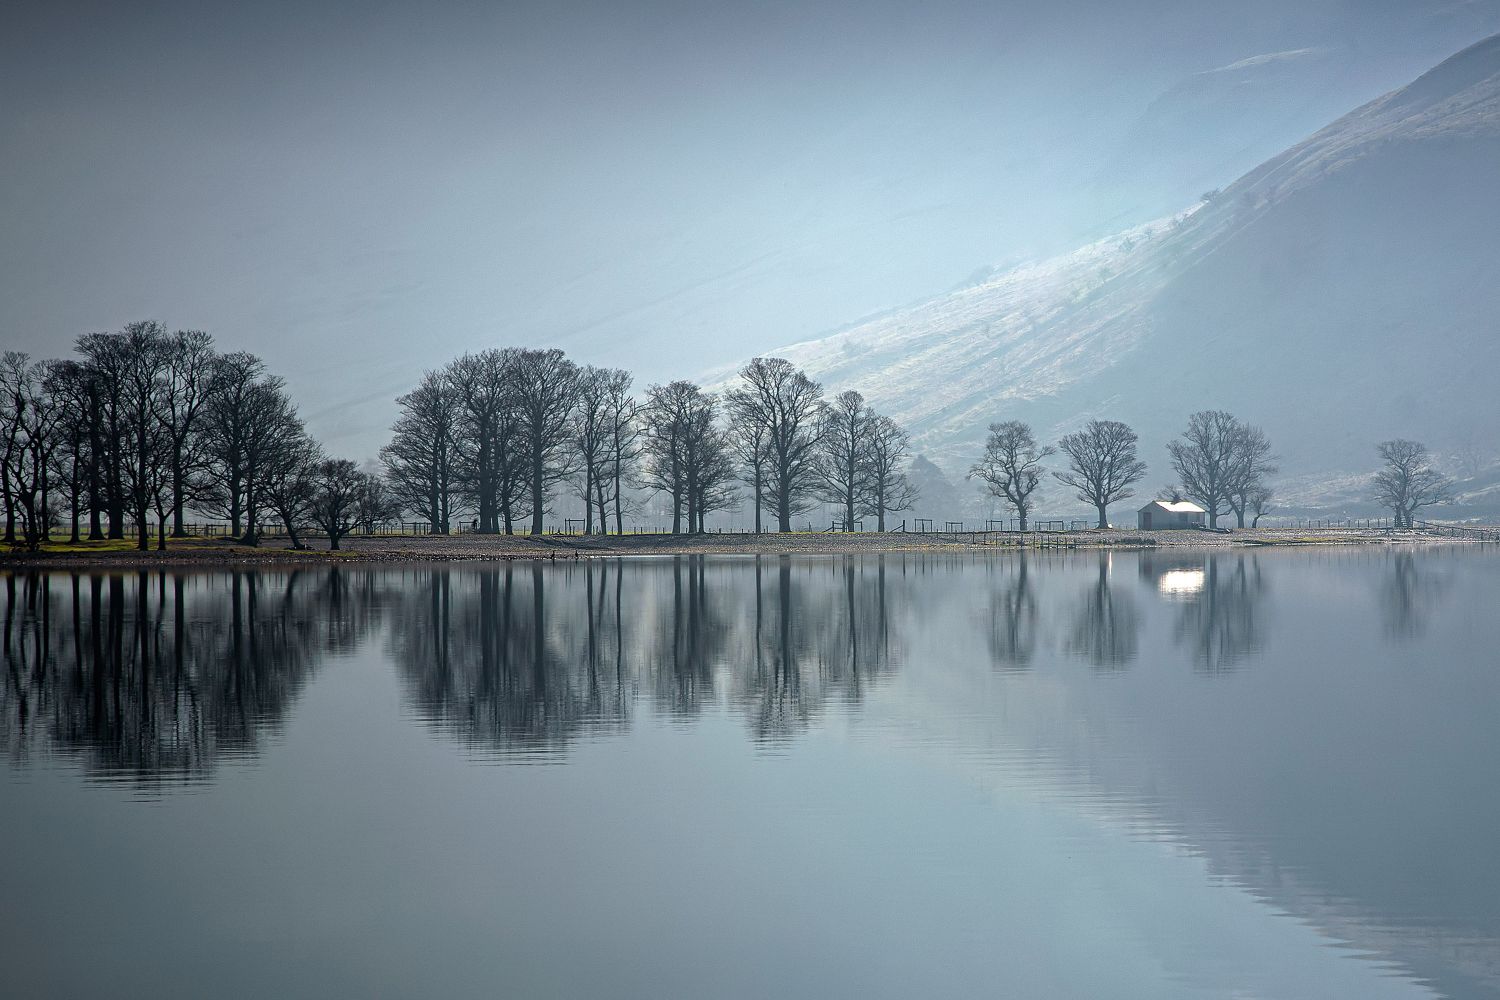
1102 464
748 440
593 433
1011 468
68 385
227 421
1408 482
289 483
29 425
1251 466
679 425
273 443
624 442
1204 459
888 485
421 460
487 444
546 385
147 351
185 394
786 404
107 357
844 432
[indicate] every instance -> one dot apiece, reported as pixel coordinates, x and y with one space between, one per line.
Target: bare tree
624 437
1261 503
29 419
226 428
786 404
748 440
1408 482
185 394
1103 465
888 486
147 351
273 442
546 386
107 357
679 447
1252 463
1204 460
377 504
1012 466
844 435
68 385
487 444
337 486
593 433
714 472
421 461
289 483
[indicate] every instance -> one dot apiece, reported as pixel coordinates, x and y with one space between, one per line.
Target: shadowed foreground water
1182 775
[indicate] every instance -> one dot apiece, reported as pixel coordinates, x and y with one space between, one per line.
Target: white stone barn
1162 515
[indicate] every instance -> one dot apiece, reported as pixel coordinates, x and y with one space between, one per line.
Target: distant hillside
1345 291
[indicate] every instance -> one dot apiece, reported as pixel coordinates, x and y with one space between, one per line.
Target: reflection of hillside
153 676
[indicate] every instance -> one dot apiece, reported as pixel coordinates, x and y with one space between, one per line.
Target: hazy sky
358 191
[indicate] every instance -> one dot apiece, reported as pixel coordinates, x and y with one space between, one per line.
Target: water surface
1128 775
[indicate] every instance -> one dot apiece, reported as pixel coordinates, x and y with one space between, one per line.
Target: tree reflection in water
523 661
1222 623
153 678
158 675
1013 619
1105 630
1408 596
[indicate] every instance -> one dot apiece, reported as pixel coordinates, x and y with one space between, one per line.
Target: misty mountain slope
1345 291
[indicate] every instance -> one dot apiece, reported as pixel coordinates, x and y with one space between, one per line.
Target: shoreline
216 553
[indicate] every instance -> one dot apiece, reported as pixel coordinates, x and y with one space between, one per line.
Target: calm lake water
1153 776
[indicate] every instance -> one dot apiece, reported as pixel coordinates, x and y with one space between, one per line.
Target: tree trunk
74 511
588 507
619 501
538 500
161 533
179 498
757 498
1103 520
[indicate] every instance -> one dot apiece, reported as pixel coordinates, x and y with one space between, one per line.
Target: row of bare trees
498 434
1221 463
144 425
